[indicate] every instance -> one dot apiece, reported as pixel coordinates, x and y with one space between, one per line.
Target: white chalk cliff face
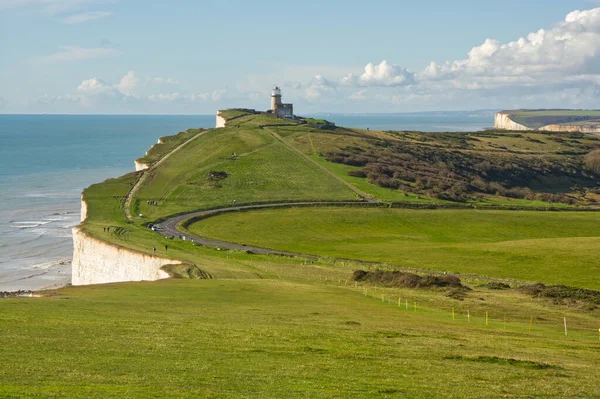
98 262
83 209
595 129
140 166
503 121
220 120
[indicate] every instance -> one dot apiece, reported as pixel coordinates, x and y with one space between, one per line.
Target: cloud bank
561 64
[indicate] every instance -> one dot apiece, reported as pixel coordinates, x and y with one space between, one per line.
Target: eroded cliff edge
98 262
220 120
502 121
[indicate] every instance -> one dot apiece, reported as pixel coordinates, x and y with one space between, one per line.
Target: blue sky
194 57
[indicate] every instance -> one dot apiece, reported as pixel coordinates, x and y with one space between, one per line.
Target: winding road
168 227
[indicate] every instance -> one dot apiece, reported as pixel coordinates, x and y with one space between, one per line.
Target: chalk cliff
83 209
98 262
220 120
591 128
503 121
140 166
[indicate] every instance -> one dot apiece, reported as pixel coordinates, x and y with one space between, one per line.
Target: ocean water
45 163
47 160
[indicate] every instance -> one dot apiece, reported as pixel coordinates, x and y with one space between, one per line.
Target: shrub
592 161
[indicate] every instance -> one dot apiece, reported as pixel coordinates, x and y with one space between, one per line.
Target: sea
47 160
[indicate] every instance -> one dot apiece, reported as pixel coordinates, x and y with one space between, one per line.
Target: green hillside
307 326
554 247
535 119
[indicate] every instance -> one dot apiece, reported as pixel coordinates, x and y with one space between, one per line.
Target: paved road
168 228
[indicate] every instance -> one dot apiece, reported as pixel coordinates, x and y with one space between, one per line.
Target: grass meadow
551 247
275 338
291 327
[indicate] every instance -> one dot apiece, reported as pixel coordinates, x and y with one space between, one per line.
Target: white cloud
560 64
568 50
73 53
215 96
384 74
358 95
318 86
170 81
84 17
128 83
95 86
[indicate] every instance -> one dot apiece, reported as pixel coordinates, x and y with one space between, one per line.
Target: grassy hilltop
504 210
536 119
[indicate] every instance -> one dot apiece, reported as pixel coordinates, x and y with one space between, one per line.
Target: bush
592 161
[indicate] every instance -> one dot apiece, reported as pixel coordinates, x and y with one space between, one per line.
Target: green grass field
287 327
273 338
551 247
263 169
167 144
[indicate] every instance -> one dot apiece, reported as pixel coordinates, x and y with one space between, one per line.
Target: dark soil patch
562 293
407 280
494 285
503 361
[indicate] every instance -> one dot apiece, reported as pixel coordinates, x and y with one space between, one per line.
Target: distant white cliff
220 120
502 121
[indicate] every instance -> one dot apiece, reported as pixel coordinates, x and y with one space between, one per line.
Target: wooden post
565 320
468 316
486 318
407 304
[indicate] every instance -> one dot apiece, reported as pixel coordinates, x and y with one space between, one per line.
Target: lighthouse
278 108
275 99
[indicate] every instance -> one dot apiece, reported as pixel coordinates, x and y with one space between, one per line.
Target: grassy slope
557 248
166 145
275 338
552 147
538 118
264 170
278 327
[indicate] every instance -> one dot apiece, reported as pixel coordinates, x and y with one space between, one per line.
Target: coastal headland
558 120
314 259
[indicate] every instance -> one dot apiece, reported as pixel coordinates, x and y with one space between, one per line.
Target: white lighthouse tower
278 108
275 99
